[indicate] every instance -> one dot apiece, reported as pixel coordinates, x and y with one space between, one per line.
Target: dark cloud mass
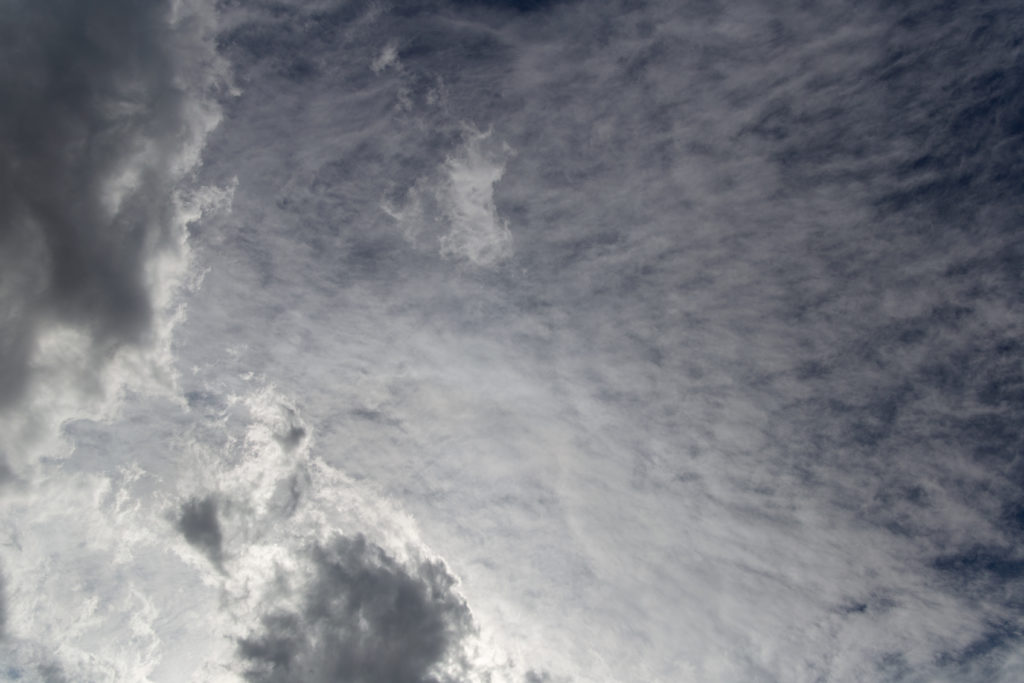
91 120
364 618
199 524
525 6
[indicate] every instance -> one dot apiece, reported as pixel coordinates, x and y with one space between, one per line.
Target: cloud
455 205
363 617
198 522
85 193
3 607
476 231
388 57
525 6
107 107
538 677
294 435
107 110
740 403
83 542
726 388
31 662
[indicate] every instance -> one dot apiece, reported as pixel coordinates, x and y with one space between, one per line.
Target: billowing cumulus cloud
363 617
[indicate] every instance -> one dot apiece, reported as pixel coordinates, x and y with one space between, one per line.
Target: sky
511 341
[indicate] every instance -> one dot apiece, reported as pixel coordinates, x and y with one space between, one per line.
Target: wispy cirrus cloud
716 314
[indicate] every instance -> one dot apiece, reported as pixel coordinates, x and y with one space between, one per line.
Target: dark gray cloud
363 618
52 673
93 119
288 493
523 6
199 524
292 439
295 434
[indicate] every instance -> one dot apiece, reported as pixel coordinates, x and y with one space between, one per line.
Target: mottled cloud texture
362 617
512 341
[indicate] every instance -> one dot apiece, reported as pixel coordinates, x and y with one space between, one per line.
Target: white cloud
388 58
455 204
476 231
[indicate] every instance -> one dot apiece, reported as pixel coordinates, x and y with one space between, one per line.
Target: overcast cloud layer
511 341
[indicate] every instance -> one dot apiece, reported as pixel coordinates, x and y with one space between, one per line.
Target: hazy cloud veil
481 340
